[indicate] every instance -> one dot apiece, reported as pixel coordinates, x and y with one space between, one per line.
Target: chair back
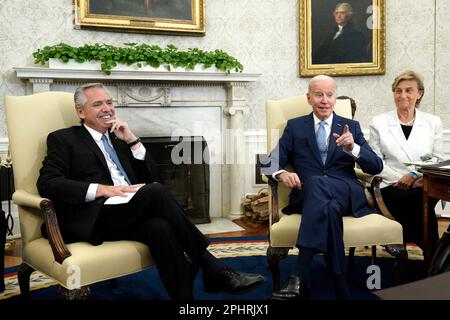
30 119
278 112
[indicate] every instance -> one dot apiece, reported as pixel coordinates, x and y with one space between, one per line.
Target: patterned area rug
219 247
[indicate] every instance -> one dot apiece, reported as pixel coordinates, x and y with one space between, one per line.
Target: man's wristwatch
132 143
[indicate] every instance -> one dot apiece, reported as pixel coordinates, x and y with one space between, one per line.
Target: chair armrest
364 177
274 214
379 199
59 249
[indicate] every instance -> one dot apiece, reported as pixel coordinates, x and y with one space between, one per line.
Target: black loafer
294 289
396 250
231 281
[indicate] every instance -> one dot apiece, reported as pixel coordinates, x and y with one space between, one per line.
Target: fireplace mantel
175 91
41 76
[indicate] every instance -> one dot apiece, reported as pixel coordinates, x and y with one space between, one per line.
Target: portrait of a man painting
342 37
346 39
186 17
162 9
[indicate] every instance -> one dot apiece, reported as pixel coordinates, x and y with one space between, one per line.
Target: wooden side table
436 184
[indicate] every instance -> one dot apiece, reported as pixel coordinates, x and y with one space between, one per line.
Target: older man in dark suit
88 164
323 148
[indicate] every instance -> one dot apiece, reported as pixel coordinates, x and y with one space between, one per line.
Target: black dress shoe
231 281
396 250
295 289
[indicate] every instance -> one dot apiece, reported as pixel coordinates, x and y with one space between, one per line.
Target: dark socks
302 267
342 291
210 264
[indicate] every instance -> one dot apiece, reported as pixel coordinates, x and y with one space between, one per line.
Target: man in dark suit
322 147
88 164
345 44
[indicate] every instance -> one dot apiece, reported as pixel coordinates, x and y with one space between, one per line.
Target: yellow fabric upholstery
30 119
373 229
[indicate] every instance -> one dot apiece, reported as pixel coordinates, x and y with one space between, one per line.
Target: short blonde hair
410 75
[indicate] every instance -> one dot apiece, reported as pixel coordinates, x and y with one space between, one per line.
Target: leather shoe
231 281
294 289
396 250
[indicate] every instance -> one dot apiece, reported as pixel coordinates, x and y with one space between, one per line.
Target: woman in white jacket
401 136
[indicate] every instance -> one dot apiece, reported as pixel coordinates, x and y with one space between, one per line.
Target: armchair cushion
372 229
109 260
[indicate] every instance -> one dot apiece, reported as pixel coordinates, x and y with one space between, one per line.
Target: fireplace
182 164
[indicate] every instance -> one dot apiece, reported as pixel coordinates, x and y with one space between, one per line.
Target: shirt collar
97 136
329 120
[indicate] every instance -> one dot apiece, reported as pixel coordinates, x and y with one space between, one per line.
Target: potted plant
139 55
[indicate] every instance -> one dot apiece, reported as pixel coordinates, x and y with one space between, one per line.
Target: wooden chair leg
351 256
374 255
23 275
401 257
274 255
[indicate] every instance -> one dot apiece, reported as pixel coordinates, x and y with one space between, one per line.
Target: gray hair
320 77
80 98
346 6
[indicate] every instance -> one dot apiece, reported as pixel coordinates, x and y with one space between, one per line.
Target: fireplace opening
182 165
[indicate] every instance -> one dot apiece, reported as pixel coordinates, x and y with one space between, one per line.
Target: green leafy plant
141 54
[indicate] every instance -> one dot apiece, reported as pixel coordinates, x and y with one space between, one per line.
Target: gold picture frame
179 17
360 49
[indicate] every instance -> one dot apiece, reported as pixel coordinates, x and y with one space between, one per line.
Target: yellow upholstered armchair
77 265
370 230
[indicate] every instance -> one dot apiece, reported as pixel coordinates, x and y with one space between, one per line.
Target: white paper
119 200
445 167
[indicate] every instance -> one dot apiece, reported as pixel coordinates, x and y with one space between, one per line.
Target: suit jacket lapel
311 135
90 143
397 133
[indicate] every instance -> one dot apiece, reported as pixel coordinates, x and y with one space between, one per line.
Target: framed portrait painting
181 17
342 38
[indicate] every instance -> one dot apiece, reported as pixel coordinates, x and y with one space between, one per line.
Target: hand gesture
345 140
290 179
121 130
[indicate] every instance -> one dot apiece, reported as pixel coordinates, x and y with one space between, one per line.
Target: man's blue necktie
113 155
321 137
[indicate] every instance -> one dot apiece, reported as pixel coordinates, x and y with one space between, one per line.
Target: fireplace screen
183 168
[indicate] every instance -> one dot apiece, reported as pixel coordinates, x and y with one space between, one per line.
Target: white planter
94 65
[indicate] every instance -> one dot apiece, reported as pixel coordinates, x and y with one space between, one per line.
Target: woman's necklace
409 123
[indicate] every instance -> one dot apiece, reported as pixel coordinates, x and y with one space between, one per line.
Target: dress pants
407 208
154 217
325 201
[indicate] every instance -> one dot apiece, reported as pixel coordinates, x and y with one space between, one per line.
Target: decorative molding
144 94
194 77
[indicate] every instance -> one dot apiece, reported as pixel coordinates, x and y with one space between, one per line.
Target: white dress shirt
116 176
328 122
339 32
